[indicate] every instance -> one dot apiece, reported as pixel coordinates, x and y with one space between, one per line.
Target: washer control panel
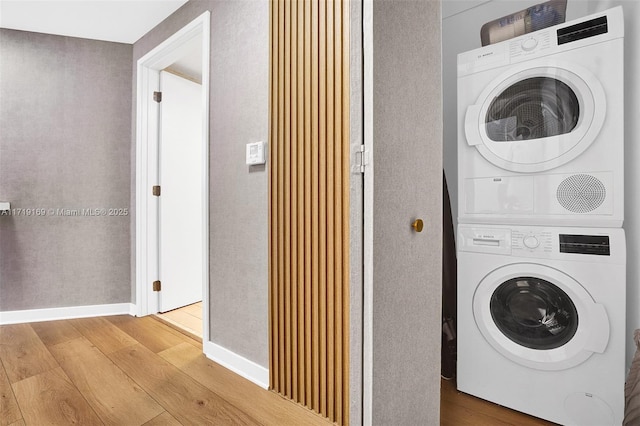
525 241
600 245
484 240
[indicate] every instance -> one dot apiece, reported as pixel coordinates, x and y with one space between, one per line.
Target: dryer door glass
534 313
533 108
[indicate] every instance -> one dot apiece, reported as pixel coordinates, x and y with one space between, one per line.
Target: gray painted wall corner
64 147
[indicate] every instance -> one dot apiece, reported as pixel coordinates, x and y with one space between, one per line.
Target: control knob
530 241
529 44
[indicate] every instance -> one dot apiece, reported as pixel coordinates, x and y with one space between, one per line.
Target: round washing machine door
537 116
539 317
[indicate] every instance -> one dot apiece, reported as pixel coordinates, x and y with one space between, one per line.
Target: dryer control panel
593 245
597 28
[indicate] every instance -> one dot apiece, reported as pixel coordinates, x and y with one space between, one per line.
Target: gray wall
65 136
238 201
407 184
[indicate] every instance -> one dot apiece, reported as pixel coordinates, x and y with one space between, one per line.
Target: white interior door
180 253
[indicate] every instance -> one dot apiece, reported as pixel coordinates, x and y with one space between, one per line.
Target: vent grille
581 193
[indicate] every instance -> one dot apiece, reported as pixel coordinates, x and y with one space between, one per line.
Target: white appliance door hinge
362 159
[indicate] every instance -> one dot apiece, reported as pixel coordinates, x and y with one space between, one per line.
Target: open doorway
180 204
172 155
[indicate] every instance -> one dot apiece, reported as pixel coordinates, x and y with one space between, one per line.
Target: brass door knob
417 225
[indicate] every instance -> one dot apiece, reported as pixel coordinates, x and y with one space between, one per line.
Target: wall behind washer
238 203
65 107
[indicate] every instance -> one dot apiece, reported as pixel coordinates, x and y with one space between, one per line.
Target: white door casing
147 128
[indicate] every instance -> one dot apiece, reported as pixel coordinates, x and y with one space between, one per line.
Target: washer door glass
533 108
539 316
534 313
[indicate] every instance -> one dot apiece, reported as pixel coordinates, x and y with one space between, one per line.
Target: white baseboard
238 364
52 314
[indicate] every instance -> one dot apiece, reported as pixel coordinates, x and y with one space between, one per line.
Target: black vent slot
585 244
582 30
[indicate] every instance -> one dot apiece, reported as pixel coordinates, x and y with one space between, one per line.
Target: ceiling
123 21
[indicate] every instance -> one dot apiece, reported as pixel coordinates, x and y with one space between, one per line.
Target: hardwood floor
460 409
127 371
186 319
131 371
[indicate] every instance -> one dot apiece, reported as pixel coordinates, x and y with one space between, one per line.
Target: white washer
540 126
541 320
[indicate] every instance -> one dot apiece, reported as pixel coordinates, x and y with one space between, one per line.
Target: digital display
585 29
585 244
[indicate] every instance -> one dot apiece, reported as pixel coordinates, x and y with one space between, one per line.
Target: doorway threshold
187 320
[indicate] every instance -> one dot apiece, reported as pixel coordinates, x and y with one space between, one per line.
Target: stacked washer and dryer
541 251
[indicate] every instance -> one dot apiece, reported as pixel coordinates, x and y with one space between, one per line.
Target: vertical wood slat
315 208
287 196
322 192
294 200
337 181
274 196
272 116
330 219
346 150
279 232
309 204
301 200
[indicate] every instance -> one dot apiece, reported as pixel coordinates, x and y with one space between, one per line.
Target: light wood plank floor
131 371
187 319
460 409
127 371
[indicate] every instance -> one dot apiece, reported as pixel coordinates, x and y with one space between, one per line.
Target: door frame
367 293
147 168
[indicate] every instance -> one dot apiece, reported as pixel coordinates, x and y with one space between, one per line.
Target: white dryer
541 320
540 126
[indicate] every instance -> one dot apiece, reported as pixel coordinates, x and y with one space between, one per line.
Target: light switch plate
255 153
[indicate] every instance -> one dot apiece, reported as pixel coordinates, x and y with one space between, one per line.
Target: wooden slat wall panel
309 204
